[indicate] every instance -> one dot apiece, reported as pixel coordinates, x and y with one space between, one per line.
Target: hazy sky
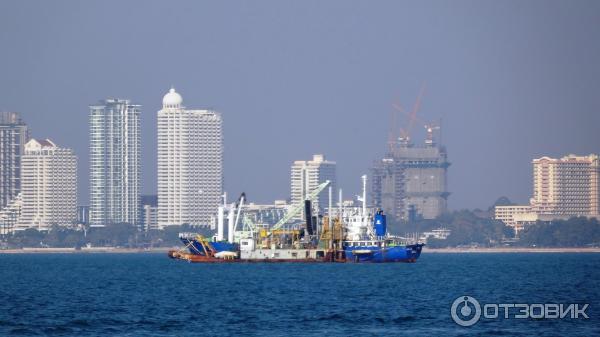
512 80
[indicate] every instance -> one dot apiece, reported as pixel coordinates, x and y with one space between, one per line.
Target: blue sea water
152 295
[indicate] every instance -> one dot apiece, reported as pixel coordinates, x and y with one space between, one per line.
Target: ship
348 235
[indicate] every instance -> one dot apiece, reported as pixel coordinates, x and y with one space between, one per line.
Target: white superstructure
48 186
190 163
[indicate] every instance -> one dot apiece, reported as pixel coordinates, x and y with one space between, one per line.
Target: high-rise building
48 186
149 212
114 162
410 181
13 136
307 175
567 186
83 214
190 163
10 214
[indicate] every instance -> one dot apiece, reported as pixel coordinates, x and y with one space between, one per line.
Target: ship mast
364 196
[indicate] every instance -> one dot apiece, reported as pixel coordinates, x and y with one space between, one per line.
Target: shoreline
513 250
425 250
84 250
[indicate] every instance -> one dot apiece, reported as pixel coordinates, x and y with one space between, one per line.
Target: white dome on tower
172 99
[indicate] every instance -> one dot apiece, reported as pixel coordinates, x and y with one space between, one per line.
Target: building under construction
410 181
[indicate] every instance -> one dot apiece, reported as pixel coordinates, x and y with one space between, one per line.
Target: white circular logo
465 311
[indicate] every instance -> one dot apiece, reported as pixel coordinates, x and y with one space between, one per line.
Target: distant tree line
122 235
575 232
468 228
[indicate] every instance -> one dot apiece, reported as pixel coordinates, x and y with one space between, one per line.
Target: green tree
574 232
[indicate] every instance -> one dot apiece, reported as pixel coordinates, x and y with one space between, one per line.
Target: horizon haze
511 80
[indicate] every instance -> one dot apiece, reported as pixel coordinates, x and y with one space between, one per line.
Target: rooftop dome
172 99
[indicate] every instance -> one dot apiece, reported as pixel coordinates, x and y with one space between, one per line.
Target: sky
511 81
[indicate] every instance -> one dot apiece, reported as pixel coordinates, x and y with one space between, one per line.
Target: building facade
306 175
10 214
516 216
567 186
266 214
13 136
149 212
48 186
114 162
410 181
83 214
190 164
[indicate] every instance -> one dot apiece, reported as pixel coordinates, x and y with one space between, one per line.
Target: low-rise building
515 216
268 214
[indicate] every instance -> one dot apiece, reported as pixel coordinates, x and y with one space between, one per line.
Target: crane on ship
296 209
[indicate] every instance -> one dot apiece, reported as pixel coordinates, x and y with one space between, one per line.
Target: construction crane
232 219
239 204
430 127
296 209
249 224
412 117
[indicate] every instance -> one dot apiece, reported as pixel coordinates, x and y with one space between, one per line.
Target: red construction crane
412 117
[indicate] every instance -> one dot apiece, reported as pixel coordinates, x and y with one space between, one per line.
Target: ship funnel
308 216
380 224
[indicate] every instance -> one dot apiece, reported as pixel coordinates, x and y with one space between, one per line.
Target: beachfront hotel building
48 186
562 188
567 186
190 163
114 162
516 216
306 175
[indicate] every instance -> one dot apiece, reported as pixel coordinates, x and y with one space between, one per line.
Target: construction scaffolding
410 181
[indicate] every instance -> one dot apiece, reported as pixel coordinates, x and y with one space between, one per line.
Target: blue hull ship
373 252
355 235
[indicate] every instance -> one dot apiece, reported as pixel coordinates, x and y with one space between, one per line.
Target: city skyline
512 78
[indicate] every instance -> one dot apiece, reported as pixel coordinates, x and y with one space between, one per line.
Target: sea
148 294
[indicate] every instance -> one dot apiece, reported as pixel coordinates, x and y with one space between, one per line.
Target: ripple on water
151 295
